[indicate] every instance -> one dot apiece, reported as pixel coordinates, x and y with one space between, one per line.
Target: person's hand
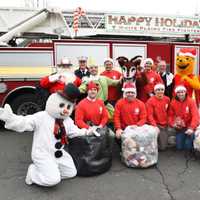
54 78
133 126
119 133
189 131
6 113
157 130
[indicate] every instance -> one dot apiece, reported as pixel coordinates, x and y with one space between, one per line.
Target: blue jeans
184 141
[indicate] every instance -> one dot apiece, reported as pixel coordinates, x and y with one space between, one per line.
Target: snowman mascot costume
52 127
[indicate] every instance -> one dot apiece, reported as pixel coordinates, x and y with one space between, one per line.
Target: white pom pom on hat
159 86
180 88
129 87
108 60
143 62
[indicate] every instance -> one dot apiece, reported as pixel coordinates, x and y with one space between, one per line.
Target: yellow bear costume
185 62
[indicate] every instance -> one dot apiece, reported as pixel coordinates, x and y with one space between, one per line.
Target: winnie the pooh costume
185 63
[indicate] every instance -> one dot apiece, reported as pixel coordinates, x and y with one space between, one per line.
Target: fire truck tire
25 104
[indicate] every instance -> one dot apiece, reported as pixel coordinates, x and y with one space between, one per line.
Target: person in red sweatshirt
152 77
184 117
91 111
63 76
157 107
129 110
113 92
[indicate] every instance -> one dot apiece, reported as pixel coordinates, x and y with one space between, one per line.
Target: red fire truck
22 68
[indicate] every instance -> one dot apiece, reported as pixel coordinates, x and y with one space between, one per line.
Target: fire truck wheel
25 104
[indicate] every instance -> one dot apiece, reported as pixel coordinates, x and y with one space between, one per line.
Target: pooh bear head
185 61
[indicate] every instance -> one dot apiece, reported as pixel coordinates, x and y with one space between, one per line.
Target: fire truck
21 68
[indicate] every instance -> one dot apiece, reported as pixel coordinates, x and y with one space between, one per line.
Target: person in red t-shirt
113 92
184 117
129 110
157 107
146 91
91 111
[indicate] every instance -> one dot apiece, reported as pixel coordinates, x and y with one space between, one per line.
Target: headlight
3 87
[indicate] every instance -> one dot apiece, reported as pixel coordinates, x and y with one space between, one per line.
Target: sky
165 7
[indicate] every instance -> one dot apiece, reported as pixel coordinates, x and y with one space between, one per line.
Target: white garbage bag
139 146
196 142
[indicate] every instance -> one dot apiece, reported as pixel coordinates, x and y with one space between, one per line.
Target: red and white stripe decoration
77 13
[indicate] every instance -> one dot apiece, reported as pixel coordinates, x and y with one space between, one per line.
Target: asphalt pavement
175 177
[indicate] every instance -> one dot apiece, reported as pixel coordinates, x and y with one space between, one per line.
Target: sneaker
28 180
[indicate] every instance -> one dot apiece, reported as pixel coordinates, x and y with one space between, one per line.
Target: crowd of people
105 98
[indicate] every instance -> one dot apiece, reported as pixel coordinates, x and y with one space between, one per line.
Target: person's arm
171 115
77 82
150 113
104 118
112 82
195 115
143 115
79 117
83 87
159 79
117 122
15 122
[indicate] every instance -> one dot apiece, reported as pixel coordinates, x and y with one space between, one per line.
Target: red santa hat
159 86
180 88
129 87
187 52
92 85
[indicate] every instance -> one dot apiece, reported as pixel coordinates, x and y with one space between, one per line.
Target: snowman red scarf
60 132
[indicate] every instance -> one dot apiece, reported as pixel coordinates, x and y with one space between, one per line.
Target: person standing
167 78
113 92
157 107
152 78
184 117
83 69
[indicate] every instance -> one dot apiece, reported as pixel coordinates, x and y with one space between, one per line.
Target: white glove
157 130
92 130
6 113
189 131
54 78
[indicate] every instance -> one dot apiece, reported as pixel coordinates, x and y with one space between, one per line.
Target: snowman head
61 104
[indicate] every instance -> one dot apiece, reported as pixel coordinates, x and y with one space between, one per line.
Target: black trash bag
92 155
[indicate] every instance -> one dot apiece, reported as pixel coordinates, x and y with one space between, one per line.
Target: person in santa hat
91 111
113 92
129 110
62 77
184 117
152 77
157 107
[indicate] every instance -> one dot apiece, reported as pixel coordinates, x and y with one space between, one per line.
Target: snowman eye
61 105
68 107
